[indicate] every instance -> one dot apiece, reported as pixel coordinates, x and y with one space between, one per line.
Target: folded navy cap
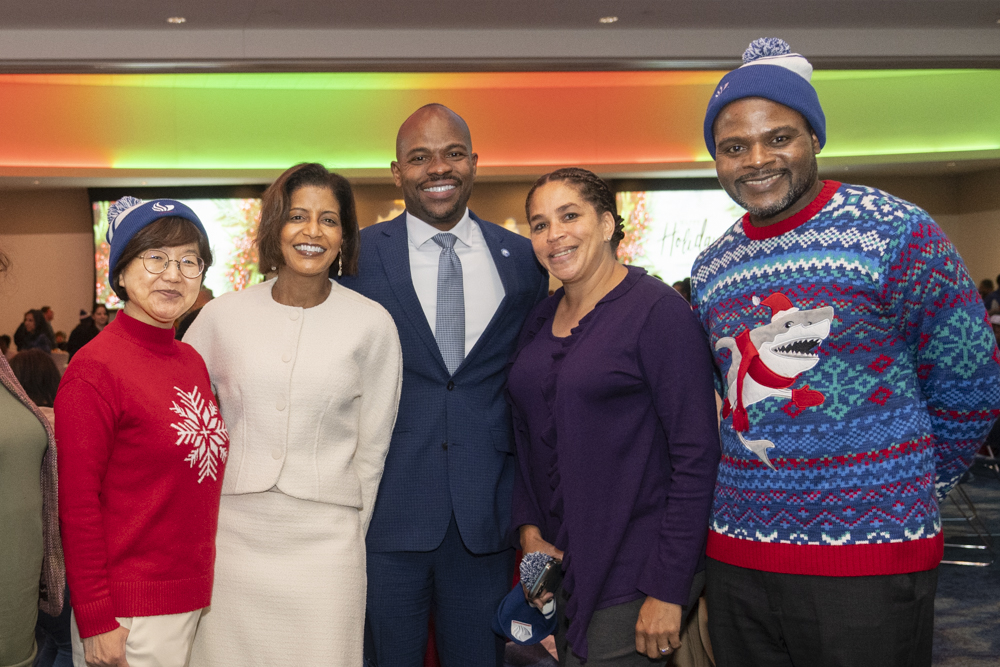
520 622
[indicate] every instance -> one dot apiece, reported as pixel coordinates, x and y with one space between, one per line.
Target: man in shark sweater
859 377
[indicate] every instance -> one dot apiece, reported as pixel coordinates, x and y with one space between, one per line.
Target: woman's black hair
38 375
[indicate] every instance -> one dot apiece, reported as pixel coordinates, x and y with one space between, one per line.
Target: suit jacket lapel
395 255
506 267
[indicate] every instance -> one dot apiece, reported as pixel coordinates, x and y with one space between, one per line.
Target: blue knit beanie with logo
770 70
128 215
522 623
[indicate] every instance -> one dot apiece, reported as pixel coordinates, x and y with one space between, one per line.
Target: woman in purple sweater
616 432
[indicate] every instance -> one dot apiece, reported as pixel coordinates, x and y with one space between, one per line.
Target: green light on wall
914 150
251 121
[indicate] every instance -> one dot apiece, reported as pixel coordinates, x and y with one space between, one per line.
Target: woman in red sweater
141 451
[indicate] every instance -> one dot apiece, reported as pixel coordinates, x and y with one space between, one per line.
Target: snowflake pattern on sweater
201 428
861 376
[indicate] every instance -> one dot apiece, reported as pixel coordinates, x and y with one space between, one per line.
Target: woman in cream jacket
307 374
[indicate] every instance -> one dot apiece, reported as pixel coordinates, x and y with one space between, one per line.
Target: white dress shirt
481 283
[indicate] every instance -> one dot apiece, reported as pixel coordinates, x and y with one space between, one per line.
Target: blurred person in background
142 452
31 334
992 300
683 288
986 287
87 329
30 544
5 347
204 296
48 315
38 375
59 354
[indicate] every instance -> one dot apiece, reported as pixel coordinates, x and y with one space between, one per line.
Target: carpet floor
967 609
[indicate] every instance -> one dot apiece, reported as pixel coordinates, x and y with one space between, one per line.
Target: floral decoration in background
632 209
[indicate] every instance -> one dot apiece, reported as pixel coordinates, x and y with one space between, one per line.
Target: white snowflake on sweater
203 430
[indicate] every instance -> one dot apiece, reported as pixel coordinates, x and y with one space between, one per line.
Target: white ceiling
497 15
133 35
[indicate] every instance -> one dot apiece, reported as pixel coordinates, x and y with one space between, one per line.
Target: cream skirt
289 585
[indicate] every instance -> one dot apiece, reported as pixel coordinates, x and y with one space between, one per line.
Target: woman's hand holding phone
532 541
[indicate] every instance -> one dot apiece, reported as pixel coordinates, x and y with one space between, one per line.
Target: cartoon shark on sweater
767 361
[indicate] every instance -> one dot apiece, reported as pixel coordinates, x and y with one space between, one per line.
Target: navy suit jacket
452 449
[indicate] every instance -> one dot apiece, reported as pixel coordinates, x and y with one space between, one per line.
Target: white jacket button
280 404
286 357
276 453
294 315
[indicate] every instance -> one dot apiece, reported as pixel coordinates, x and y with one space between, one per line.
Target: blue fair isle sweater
860 376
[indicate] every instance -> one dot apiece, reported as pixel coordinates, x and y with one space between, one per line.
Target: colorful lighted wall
349 120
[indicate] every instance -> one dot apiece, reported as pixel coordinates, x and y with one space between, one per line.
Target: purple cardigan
617 446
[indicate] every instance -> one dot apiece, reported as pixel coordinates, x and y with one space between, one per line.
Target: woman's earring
274 268
340 265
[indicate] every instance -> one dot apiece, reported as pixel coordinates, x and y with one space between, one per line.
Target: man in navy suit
459 290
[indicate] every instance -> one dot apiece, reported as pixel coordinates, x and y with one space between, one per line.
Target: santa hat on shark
778 303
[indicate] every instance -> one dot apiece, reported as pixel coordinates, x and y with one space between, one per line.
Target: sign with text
665 230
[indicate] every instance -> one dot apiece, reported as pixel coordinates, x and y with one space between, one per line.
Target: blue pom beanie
128 215
522 623
770 71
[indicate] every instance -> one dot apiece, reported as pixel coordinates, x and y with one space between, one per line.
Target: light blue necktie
449 327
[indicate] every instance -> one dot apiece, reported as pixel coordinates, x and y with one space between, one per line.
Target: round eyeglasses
156 261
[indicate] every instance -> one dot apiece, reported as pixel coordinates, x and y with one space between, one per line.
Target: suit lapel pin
505 252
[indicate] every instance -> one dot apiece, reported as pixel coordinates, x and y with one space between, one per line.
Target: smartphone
548 581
